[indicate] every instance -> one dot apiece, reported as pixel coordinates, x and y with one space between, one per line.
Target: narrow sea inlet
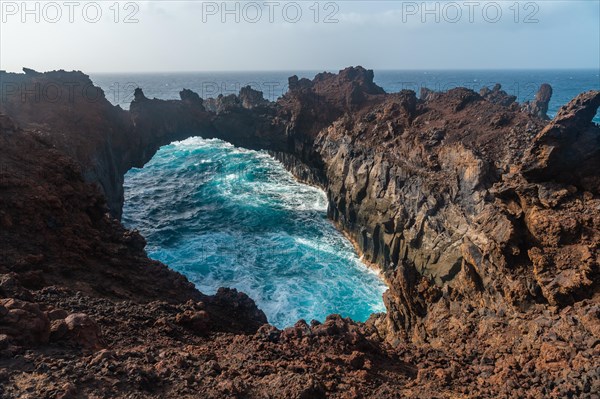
231 217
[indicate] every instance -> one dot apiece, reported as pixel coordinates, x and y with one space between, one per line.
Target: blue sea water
226 216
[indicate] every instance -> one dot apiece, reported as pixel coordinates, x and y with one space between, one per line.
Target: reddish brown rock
83 330
568 149
197 321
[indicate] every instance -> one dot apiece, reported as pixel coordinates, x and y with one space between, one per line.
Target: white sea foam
226 216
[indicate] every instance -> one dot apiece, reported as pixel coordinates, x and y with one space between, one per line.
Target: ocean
226 216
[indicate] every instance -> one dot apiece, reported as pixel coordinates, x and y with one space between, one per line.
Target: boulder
83 330
23 322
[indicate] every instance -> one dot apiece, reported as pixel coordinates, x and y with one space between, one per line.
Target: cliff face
432 191
56 231
85 313
482 215
434 195
74 116
567 149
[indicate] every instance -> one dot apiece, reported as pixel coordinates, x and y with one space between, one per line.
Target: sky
173 36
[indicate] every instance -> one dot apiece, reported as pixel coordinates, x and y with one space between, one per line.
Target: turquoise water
226 216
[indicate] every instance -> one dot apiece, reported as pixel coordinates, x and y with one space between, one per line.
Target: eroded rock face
539 106
498 96
432 191
53 103
432 194
409 180
568 148
251 98
106 141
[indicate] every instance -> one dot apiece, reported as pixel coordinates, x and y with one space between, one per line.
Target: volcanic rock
23 322
539 106
567 149
497 96
83 330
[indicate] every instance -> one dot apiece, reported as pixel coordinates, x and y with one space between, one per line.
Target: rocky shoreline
482 215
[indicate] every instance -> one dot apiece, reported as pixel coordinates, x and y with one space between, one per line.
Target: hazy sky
282 35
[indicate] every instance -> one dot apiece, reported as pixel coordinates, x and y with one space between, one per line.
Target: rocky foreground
482 214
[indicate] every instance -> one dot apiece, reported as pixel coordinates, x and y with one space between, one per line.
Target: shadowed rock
568 148
251 98
539 106
497 96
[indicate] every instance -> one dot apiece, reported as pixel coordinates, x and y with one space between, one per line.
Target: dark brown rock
24 322
197 321
497 96
568 148
251 98
191 97
10 287
83 330
58 330
539 106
